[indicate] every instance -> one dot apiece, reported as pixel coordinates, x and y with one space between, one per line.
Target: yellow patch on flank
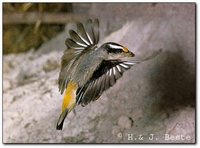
125 49
70 96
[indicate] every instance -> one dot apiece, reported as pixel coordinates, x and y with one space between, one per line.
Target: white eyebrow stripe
115 46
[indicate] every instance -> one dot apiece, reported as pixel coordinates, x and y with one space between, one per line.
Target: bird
87 69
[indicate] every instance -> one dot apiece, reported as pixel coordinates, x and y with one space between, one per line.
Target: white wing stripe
114 70
81 44
89 38
118 68
79 48
77 52
84 40
107 73
129 63
80 97
125 66
110 72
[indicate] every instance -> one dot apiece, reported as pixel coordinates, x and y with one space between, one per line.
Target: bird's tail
61 119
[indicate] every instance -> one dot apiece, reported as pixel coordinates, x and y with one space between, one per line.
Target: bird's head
116 51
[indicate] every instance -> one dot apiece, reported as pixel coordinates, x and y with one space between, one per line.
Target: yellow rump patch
70 96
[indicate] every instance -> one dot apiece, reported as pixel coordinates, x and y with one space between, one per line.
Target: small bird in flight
88 70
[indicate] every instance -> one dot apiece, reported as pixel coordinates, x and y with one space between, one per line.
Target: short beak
130 54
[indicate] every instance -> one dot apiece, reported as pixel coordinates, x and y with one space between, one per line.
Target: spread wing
104 77
85 38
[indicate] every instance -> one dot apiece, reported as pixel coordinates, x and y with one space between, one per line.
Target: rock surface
159 94
125 122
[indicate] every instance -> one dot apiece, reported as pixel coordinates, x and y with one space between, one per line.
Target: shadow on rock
173 83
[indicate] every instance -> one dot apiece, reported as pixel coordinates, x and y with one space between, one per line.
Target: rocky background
154 98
